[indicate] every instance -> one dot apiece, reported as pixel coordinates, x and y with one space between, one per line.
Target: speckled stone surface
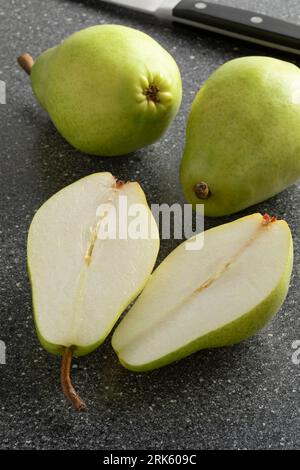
244 397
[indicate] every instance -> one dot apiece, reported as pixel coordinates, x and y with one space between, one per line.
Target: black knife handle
241 23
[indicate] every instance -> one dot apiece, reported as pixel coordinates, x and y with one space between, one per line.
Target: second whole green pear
243 140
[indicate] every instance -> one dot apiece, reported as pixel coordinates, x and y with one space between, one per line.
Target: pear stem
26 62
66 383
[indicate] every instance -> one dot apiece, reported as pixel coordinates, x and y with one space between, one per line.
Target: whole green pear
108 89
243 135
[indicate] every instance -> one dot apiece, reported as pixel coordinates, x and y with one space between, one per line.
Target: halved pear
82 282
213 297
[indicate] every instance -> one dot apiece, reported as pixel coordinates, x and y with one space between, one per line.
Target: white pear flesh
81 283
212 297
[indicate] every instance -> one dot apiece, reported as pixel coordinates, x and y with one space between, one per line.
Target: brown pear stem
66 383
26 62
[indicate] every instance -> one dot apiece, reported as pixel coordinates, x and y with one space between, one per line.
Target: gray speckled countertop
241 397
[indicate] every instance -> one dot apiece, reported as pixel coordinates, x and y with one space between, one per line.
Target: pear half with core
82 279
108 89
213 297
243 139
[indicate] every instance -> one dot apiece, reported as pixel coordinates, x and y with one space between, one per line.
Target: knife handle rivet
200 5
256 19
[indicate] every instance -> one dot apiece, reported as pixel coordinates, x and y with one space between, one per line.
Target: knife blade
230 21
